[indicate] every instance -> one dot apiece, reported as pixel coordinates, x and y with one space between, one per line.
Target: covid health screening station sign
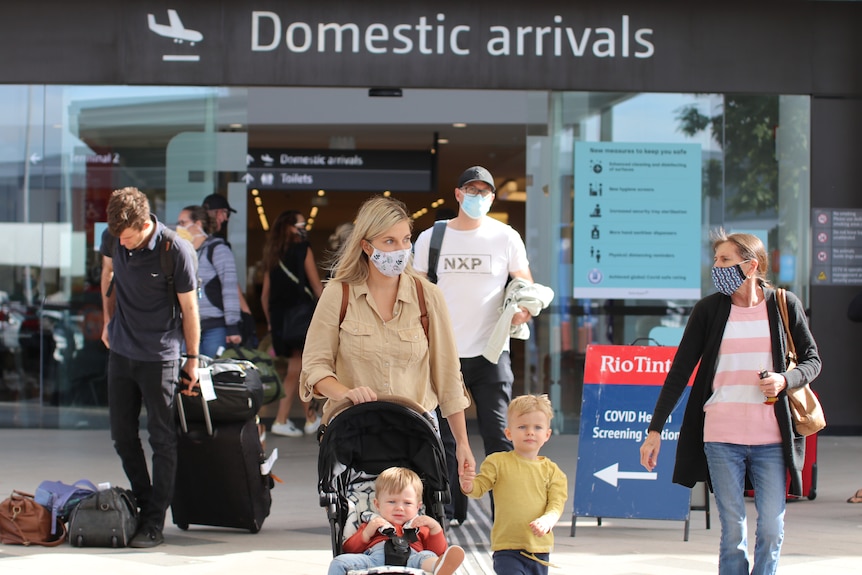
621 386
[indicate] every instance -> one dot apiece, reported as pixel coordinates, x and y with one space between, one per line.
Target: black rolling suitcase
219 479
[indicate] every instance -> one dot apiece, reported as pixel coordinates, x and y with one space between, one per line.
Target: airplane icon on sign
175 29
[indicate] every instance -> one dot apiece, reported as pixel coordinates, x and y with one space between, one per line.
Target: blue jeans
153 384
511 562
374 557
212 339
728 464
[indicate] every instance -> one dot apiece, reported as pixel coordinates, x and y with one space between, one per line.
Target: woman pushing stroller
377 343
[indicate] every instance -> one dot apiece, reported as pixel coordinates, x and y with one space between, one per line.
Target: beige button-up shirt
391 357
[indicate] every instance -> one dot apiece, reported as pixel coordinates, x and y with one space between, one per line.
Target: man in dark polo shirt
143 330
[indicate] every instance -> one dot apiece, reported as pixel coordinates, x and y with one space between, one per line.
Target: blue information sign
621 385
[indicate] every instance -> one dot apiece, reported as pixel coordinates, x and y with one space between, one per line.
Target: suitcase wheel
114 542
812 495
254 528
183 526
79 541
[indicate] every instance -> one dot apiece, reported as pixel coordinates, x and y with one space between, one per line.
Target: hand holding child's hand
467 479
541 526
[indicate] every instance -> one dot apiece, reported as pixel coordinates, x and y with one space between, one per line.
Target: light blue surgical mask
476 206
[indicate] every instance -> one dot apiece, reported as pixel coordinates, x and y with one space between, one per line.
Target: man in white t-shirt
477 257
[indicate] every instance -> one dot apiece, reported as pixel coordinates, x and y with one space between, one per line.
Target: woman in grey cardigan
737 420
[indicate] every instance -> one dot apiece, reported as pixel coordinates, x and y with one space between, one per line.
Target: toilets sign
621 385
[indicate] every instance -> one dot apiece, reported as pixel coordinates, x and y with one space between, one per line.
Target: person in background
219 301
219 211
291 275
336 240
474 294
146 320
531 490
381 346
854 313
737 421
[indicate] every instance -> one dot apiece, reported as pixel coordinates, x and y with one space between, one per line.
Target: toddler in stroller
359 444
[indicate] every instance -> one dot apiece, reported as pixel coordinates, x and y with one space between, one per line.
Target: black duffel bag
238 389
107 518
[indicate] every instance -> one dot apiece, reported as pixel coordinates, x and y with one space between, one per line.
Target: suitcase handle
182 413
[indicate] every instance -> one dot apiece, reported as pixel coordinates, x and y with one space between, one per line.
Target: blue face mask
728 280
476 206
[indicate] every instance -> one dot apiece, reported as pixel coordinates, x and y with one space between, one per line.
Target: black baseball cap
217 202
477 174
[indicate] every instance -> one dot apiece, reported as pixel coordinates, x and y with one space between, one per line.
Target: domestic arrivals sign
611 46
621 385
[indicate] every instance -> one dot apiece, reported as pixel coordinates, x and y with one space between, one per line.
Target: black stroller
362 440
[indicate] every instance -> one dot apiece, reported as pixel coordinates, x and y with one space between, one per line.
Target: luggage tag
205 380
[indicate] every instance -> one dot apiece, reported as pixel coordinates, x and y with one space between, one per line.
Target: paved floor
823 536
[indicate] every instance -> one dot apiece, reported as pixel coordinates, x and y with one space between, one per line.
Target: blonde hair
748 246
374 218
530 403
396 480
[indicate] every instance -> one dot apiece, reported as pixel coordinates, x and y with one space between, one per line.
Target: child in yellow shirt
530 490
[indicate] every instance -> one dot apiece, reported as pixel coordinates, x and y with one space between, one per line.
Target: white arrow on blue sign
611 474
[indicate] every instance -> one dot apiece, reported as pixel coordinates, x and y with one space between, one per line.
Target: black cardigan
700 343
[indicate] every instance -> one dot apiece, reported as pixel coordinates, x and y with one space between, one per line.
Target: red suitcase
809 472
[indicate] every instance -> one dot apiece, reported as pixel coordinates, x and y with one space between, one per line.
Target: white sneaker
312 426
449 562
287 429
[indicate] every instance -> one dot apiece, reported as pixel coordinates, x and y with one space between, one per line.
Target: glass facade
63 149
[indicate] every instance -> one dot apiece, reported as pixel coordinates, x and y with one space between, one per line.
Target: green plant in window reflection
746 130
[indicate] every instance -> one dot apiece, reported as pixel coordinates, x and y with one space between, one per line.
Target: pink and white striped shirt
735 412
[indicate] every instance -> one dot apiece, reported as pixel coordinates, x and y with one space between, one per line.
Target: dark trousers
151 384
490 386
511 562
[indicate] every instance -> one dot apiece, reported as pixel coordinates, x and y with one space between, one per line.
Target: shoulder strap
420 292
212 243
167 257
345 293
113 245
423 311
781 299
434 249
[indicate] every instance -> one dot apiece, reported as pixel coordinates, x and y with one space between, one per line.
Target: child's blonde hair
396 480
530 403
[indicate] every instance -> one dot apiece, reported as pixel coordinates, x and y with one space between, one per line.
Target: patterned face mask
390 264
728 280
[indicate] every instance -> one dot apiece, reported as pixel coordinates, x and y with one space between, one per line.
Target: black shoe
146 537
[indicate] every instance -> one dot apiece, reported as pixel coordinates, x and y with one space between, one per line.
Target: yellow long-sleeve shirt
524 490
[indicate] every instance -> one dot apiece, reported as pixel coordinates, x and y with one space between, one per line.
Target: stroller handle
340 406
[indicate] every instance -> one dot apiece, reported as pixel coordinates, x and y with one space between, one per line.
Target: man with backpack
471 257
150 305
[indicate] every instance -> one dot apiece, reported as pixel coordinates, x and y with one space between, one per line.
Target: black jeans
490 386
152 384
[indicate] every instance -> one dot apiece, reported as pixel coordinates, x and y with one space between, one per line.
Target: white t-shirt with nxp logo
472 271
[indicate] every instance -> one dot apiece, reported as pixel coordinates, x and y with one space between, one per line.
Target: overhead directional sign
621 385
340 170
